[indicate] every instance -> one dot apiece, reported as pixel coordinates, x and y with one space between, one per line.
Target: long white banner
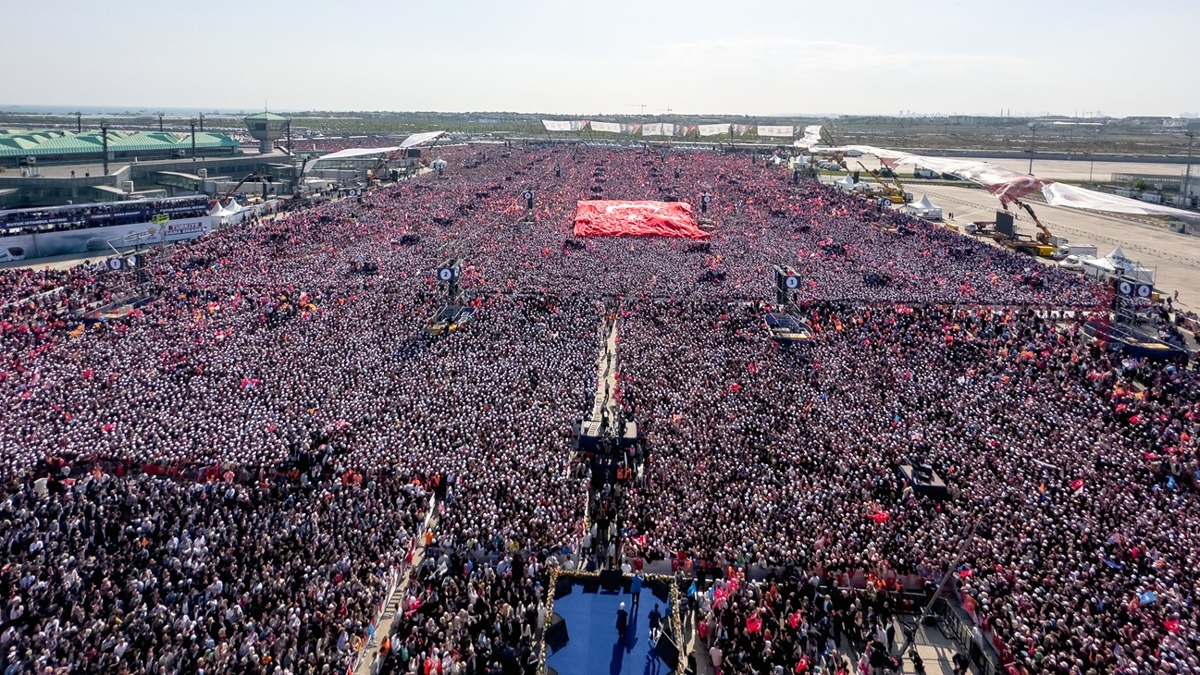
564 125
1059 194
775 131
712 129
810 136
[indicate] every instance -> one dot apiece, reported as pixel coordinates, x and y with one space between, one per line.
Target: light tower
266 128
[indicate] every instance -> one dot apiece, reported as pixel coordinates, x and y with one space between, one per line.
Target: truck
1023 243
980 227
1072 249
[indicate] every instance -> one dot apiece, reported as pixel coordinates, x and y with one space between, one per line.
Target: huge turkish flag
636 219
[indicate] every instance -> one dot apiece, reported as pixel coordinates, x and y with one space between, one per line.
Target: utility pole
78 122
192 124
104 139
1095 148
1092 154
289 137
160 126
1187 177
201 122
1032 139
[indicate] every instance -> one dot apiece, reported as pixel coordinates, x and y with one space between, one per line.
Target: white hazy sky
579 58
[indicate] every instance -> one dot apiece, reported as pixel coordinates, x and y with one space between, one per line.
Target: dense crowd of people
1068 483
155 575
278 399
467 615
793 625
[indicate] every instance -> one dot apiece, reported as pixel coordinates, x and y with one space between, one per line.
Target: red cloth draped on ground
636 219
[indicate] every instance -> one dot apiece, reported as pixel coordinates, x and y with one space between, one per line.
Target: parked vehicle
1063 252
1074 262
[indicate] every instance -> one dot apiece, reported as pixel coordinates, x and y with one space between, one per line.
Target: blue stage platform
593 649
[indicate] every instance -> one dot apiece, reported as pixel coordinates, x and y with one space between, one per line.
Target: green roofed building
56 146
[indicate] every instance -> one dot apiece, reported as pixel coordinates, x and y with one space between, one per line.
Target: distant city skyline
870 57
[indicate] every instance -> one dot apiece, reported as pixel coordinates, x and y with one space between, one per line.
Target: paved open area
1174 257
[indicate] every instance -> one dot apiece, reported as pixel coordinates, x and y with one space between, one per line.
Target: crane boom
903 190
225 199
883 185
895 193
1044 235
373 176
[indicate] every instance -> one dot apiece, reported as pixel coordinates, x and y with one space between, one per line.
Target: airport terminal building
51 167
57 146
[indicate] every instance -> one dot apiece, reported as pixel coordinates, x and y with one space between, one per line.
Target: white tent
846 183
349 153
1008 184
235 212
232 214
924 208
1116 264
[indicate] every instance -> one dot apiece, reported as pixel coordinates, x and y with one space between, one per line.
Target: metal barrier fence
954 625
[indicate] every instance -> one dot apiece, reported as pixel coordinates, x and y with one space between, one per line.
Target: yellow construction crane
903 190
1039 246
893 193
1043 236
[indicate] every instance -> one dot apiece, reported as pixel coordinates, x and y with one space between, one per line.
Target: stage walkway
606 374
384 628
604 405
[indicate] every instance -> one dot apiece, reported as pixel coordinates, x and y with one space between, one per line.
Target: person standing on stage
635 588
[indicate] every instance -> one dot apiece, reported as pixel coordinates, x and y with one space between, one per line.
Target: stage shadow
631 635
618 657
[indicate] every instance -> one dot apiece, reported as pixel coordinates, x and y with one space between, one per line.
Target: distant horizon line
151 111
